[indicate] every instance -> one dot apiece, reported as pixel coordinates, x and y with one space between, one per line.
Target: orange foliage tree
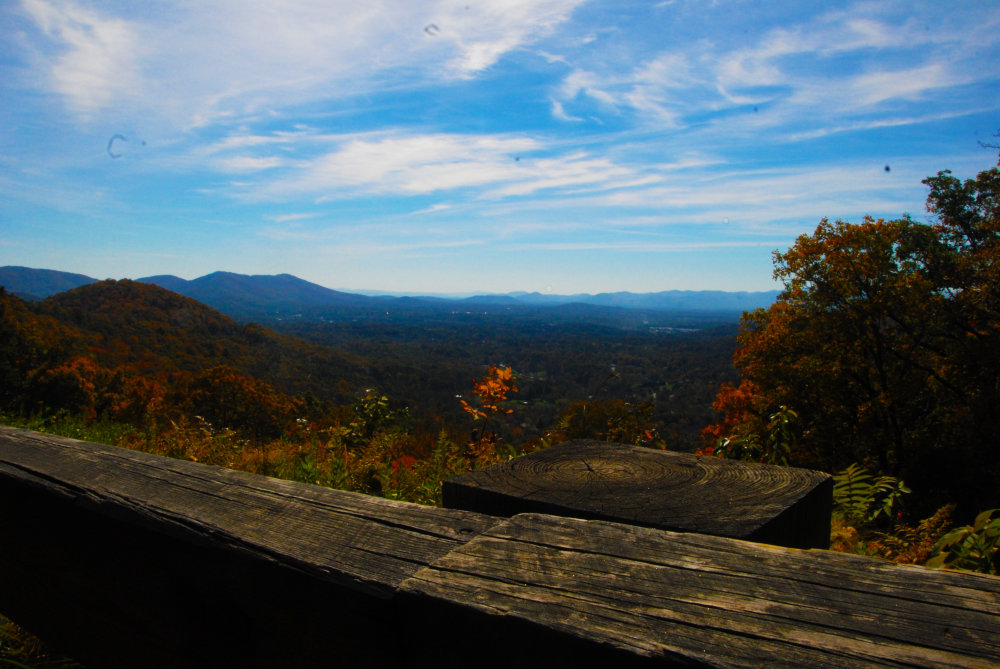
73 386
139 401
738 406
230 400
491 392
886 343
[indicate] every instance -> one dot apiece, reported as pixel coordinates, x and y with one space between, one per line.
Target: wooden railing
125 559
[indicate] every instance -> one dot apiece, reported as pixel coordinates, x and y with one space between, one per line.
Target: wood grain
686 599
368 541
124 559
641 486
116 554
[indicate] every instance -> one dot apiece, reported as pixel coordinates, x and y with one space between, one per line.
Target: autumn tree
73 386
491 392
616 421
886 342
17 354
231 400
370 414
137 400
30 345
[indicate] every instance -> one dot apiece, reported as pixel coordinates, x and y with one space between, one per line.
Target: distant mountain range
420 352
279 292
667 300
276 296
37 284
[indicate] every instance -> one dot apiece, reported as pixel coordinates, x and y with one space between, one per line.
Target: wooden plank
126 559
693 600
129 559
673 491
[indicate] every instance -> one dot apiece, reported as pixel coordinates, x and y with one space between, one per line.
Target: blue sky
477 145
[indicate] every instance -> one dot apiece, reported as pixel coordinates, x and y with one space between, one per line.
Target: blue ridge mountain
243 296
667 300
37 284
282 296
421 351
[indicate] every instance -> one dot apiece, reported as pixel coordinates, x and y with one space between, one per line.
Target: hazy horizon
551 146
375 292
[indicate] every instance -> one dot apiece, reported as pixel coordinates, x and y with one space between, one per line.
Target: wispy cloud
249 163
287 218
875 124
236 59
814 72
412 164
433 209
560 113
872 88
644 246
450 129
96 60
497 166
485 31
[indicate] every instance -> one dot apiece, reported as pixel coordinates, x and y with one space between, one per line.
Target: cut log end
662 489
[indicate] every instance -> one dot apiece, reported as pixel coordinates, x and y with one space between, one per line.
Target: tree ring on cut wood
663 489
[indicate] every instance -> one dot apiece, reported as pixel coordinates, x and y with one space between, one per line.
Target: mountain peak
37 284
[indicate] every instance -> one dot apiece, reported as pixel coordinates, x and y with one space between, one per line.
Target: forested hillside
144 328
672 376
137 354
104 340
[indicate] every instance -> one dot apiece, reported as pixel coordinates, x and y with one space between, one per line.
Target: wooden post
784 506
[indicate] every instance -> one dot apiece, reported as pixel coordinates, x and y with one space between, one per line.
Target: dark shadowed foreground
125 559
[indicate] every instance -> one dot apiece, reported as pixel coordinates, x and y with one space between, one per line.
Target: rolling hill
143 326
270 298
562 353
37 284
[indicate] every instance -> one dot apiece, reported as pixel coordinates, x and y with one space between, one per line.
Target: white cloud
245 141
290 218
413 164
232 59
433 209
98 59
894 121
560 113
494 167
249 163
589 84
833 66
576 170
485 31
553 58
875 87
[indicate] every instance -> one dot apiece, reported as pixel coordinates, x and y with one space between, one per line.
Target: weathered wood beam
127 559
695 600
785 506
